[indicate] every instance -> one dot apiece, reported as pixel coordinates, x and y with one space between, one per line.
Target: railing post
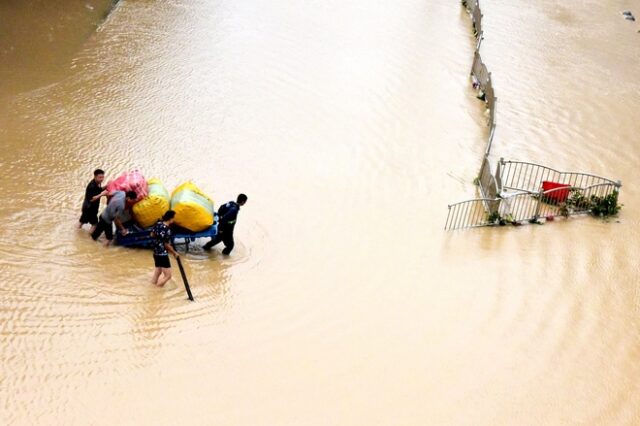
491 134
498 177
536 215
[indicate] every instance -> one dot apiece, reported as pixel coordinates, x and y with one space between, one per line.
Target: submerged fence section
520 207
486 181
523 176
469 214
481 80
520 191
473 6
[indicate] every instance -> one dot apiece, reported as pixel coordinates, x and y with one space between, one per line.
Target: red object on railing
559 195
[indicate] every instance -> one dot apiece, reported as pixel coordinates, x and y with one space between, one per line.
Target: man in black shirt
162 236
228 215
91 202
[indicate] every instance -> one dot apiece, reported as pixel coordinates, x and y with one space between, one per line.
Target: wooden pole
184 279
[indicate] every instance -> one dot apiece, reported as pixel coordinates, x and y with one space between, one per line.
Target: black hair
132 195
241 199
97 172
170 214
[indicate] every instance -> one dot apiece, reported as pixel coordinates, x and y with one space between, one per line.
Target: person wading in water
91 203
112 214
161 235
228 214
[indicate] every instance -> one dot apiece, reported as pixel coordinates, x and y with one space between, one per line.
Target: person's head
242 199
98 175
131 197
169 217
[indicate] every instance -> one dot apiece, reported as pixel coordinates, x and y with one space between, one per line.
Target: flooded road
351 126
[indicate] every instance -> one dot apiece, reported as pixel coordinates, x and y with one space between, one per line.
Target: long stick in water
184 279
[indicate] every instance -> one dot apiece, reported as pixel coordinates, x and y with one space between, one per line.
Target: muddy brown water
351 126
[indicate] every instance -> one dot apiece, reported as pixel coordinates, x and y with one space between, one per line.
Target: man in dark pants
228 214
91 203
115 208
161 235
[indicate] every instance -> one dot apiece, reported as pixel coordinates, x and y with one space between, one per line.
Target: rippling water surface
351 126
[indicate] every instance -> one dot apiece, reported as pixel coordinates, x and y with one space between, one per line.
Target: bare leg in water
156 275
166 276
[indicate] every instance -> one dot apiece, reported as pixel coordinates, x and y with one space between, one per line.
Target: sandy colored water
351 126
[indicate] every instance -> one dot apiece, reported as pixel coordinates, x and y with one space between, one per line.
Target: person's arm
100 195
171 250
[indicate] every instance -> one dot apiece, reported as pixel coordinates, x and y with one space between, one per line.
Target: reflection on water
350 126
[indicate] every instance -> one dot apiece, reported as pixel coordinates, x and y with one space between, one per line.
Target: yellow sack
194 210
151 208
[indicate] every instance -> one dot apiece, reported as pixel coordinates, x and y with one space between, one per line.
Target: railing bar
475 213
477 209
472 208
522 214
518 178
512 173
479 212
452 223
513 207
466 215
532 208
462 218
533 178
455 219
458 213
522 207
532 182
459 216
506 167
536 182
527 211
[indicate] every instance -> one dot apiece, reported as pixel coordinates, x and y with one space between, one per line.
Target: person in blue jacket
227 217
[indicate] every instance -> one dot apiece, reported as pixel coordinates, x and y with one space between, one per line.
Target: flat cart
141 237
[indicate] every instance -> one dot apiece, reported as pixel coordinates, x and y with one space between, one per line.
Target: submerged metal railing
563 201
524 176
473 6
486 181
481 80
480 71
469 214
526 206
515 192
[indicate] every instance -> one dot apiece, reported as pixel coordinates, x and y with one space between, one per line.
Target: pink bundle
130 181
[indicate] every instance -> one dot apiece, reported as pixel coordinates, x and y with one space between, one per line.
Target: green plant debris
605 206
599 206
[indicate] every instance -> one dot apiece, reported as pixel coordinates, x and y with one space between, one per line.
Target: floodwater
351 126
